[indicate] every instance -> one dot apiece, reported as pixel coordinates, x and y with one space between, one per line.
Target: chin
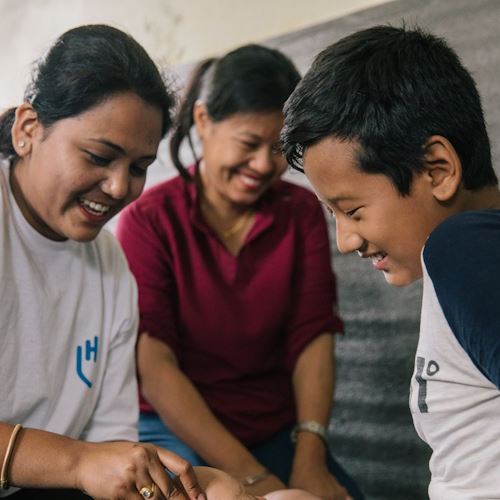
399 279
83 236
251 197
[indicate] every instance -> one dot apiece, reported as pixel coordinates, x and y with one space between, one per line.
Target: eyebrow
119 149
338 199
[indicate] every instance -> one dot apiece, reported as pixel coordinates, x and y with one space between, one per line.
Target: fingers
145 483
343 495
181 468
150 492
166 486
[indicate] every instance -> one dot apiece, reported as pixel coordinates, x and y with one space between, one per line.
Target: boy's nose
348 240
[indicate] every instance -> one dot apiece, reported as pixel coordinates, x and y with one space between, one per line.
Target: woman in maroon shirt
236 291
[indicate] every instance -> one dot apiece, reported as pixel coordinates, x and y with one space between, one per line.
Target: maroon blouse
236 324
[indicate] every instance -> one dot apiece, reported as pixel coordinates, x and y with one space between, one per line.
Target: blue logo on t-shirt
89 351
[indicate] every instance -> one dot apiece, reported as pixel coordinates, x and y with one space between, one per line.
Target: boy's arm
461 257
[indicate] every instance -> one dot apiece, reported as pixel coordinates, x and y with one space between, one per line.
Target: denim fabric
275 454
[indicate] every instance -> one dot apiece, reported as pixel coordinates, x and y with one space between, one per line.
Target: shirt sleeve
144 243
314 308
462 259
117 410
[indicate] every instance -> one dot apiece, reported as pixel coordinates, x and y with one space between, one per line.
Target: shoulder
297 201
110 253
461 260
297 207
157 206
172 192
286 190
469 238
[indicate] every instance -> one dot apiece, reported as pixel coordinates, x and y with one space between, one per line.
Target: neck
483 199
219 205
16 173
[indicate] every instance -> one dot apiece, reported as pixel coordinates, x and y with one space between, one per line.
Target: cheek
136 188
219 160
281 165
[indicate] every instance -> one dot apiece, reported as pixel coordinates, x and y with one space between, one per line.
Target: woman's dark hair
85 66
251 78
389 90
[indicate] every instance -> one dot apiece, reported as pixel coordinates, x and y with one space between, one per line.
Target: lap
153 430
276 454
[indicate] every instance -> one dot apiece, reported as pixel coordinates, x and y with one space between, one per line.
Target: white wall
172 31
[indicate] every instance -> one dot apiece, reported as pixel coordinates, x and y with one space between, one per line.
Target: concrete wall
172 31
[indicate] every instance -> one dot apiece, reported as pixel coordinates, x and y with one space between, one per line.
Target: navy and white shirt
455 395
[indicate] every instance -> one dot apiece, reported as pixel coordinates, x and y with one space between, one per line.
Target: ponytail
6 121
184 118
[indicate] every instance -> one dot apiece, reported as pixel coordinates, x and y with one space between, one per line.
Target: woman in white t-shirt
75 152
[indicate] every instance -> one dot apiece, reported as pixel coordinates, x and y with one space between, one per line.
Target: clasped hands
122 469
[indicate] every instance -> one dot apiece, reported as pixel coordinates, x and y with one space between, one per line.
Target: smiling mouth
94 208
252 182
379 261
376 258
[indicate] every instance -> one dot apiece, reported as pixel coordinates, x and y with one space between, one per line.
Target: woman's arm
184 411
313 382
103 470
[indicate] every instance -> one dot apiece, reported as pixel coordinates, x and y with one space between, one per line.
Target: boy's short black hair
388 90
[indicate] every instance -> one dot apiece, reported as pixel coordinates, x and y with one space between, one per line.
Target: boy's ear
443 167
25 129
201 118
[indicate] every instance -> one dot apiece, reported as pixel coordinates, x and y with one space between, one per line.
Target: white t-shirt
68 324
455 396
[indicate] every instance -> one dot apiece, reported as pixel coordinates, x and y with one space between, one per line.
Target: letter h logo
90 355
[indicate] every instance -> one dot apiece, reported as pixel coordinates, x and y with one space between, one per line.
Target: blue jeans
276 454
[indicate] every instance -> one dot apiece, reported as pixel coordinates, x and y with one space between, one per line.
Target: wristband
255 478
310 426
4 482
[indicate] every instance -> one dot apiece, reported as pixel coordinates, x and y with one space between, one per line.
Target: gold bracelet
255 478
4 482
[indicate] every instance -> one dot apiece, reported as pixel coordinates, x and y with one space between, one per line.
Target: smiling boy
388 127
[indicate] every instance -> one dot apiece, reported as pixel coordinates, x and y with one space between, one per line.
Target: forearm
41 459
184 411
314 382
102 470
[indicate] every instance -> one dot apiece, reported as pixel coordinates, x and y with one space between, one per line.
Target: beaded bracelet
4 482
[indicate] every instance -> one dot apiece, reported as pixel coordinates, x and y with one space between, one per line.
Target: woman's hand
121 469
318 481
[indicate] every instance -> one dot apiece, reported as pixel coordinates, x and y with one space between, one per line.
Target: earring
21 144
